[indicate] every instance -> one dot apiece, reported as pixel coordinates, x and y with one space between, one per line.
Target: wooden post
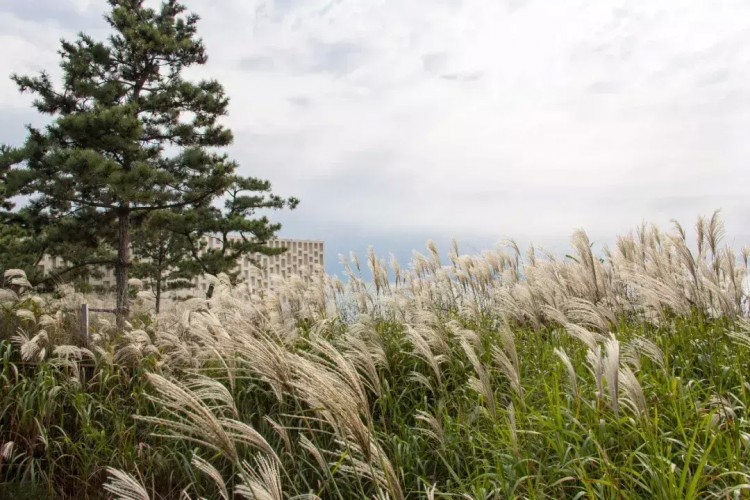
84 316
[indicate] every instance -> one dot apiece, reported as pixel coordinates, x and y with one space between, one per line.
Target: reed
610 373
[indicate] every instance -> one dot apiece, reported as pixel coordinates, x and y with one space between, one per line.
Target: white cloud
479 116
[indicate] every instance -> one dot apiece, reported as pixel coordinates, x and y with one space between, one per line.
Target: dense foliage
492 377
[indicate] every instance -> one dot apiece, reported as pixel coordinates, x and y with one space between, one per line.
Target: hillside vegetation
501 375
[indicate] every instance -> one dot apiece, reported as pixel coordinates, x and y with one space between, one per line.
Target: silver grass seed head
123 486
6 450
611 371
572 377
632 393
209 470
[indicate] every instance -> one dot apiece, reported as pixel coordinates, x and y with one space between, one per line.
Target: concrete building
301 257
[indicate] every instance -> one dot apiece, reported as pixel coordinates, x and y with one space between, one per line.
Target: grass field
500 375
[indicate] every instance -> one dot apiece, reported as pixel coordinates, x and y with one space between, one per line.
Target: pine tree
130 137
240 232
161 256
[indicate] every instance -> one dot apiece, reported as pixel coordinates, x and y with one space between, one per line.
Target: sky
400 121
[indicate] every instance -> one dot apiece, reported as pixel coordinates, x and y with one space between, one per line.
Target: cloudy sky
395 121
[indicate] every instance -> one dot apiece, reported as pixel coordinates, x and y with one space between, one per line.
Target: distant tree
237 226
16 252
17 249
25 239
129 137
8 157
161 256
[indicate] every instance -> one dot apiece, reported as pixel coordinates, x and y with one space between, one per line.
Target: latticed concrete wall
107 279
302 257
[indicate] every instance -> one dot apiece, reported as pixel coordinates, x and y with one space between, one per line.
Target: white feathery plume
212 393
423 351
354 259
396 269
432 247
376 466
459 332
282 432
585 313
7 296
596 367
572 377
378 270
47 321
589 338
6 450
240 432
129 355
556 315
366 356
32 349
632 392
265 358
261 482
333 399
211 471
16 277
508 369
630 356
422 379
589 276
123 486
434 428
744 287
335 361
69 356
103 355
715 232
509 346
192 419
531 256
648 348
314 451
482 383
26 315
745 254
611 372
740 337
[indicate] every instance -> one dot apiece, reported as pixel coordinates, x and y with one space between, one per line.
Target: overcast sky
398 121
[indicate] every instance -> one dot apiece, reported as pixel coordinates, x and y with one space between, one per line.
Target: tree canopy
130 137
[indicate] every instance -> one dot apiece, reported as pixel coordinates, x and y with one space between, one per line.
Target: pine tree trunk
122 265
158 293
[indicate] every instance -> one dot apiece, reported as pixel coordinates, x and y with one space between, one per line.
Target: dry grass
386 389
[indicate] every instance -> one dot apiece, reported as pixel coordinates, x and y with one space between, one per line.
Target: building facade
302 257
